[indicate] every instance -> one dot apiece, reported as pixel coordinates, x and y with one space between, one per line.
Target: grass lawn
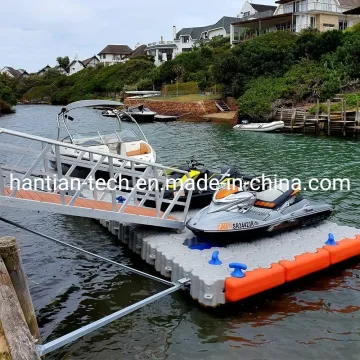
187 98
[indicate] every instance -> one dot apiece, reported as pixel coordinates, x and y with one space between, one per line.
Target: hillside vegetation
262 73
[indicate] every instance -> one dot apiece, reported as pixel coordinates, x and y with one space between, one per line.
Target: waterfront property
185 39
13 73
78 65
114 54
295 16
42 71
61 70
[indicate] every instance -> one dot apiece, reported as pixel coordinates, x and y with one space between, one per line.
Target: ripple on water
316 317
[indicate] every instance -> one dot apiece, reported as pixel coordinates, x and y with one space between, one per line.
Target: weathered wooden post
357 118
293 115
329 116
17 342
9 252
344 126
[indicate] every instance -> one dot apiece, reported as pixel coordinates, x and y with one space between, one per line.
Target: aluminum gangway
25 163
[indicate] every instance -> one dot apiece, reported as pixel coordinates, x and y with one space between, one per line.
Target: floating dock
215 279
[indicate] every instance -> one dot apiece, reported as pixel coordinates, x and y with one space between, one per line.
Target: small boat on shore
261 127
139 113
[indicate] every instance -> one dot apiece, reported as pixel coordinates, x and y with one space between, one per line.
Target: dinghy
263 127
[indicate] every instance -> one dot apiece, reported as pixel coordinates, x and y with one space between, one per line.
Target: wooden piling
329 116
9 252
4 349
20 344
344 118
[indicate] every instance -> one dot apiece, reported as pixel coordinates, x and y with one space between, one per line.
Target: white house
114 54
78 65
296 15
75 66
256 10
60 69
42 71
24 73
187 38
10 72
91 62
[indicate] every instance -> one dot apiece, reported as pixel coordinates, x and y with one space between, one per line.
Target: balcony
314 6
162 44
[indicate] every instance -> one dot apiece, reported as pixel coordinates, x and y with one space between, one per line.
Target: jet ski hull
227 226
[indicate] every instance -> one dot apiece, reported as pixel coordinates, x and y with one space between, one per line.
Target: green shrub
256 102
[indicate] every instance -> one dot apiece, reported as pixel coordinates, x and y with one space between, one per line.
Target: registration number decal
245 225
236 226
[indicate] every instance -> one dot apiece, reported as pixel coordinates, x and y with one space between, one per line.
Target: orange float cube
345 249
254 282
305 264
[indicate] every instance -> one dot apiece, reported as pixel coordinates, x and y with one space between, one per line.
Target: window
284 26
297 6
186 50
103 56
343 24
247 13
185 39
313 22
288 8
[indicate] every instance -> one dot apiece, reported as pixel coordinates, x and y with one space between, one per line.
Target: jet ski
243 215
202 176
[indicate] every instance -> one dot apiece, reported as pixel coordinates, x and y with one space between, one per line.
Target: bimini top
91 103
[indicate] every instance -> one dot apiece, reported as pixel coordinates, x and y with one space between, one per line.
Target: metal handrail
81 148
94 161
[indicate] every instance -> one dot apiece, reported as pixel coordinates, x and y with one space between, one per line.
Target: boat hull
140 117
261 127
264 231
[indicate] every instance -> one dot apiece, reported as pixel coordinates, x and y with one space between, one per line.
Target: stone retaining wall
187 110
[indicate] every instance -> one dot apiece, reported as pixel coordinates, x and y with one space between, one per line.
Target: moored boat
261 127
123 142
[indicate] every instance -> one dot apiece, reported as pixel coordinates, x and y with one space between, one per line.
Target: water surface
315 318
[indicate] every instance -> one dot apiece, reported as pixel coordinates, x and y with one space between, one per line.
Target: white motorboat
261 127
139 113
124 142
110 113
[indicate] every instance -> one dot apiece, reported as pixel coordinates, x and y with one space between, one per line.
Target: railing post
59 172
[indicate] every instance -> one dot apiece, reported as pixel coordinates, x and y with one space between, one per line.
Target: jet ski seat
273 197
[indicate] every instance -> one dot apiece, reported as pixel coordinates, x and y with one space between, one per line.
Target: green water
315 318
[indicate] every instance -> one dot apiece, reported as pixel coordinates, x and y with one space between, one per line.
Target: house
187 38
91 62
78 65
250 10
140 50
296 15
75 66
60 69
43 70
162 51
13 73
114 54
24 73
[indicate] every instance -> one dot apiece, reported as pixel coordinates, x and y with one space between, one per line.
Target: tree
63 61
